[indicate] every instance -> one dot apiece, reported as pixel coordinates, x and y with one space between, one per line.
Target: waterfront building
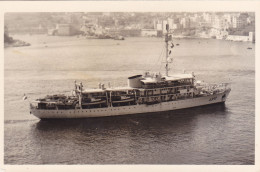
170 22
65 30
159 26
251 36
185 22
148 32
238 38
240 21
206 17
218 33
228 18
218 22
176 26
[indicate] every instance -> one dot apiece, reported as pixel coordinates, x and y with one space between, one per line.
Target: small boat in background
118 37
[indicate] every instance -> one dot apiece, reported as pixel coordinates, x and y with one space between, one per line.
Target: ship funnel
135 81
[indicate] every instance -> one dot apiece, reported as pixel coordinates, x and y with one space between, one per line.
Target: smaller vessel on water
118 37
151 92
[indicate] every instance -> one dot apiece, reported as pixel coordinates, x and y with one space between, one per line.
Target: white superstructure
131 109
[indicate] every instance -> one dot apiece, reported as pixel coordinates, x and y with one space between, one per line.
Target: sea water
215 134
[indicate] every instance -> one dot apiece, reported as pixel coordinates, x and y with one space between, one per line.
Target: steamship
150 92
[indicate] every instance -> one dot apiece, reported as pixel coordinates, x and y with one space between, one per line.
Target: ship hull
131 109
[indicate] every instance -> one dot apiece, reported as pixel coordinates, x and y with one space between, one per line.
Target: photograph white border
130 6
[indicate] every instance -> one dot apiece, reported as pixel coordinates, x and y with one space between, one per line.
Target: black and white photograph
129 87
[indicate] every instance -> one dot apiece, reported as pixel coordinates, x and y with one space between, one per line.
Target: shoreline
30 40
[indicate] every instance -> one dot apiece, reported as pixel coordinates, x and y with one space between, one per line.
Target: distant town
235 26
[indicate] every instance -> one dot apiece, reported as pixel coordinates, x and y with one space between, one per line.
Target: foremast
168 60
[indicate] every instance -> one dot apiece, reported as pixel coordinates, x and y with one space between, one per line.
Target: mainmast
166 42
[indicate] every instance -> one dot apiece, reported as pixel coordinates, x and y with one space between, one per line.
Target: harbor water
214 134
